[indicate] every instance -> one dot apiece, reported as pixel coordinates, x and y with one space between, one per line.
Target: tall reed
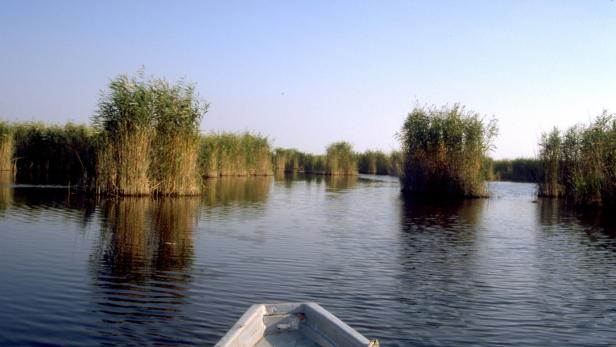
174 168
68 150
286 160
379 163
579 163
340 159
313 164
444 150
233 154
550 157
7 146
149 138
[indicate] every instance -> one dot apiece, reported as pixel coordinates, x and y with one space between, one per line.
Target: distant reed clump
149 138
519 169
313 163
286 160
55 150
233 154
579 164
340 159
373 163
7 146
379 163
444 150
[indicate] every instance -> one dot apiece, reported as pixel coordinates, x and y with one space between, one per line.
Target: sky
308 73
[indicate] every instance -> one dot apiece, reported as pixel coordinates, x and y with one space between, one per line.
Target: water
503 271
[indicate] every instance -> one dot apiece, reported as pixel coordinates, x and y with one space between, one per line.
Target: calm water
502 271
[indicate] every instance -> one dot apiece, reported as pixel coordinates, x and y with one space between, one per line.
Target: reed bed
373 163
148 138
379 163
233 154
7 146
313 164
519 169
287 160
579 163
444 150
340 159
54 149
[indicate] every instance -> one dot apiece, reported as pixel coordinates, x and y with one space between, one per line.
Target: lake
508 270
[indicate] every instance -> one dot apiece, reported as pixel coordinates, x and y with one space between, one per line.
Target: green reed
444 150
286 160
379 163
148 138
578 164
55 149
235 154
7 146
340 159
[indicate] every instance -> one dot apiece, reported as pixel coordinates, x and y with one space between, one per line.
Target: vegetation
6 146
379 163
287 160
444 151
550 158
232 154
54 149
340 159
134 114
313 164
580 163
520 169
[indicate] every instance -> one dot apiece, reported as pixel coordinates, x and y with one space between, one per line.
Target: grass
235 154
445 149
340 159
148 138
579 164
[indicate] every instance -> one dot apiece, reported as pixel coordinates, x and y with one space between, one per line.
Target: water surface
501 271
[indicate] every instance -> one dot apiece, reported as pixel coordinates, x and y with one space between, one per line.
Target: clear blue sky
310 73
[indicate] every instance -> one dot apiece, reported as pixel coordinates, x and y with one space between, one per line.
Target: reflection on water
6 191
240 190
336 183
180 271
142 263
421 212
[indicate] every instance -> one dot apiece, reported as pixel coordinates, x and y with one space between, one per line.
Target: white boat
292 324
